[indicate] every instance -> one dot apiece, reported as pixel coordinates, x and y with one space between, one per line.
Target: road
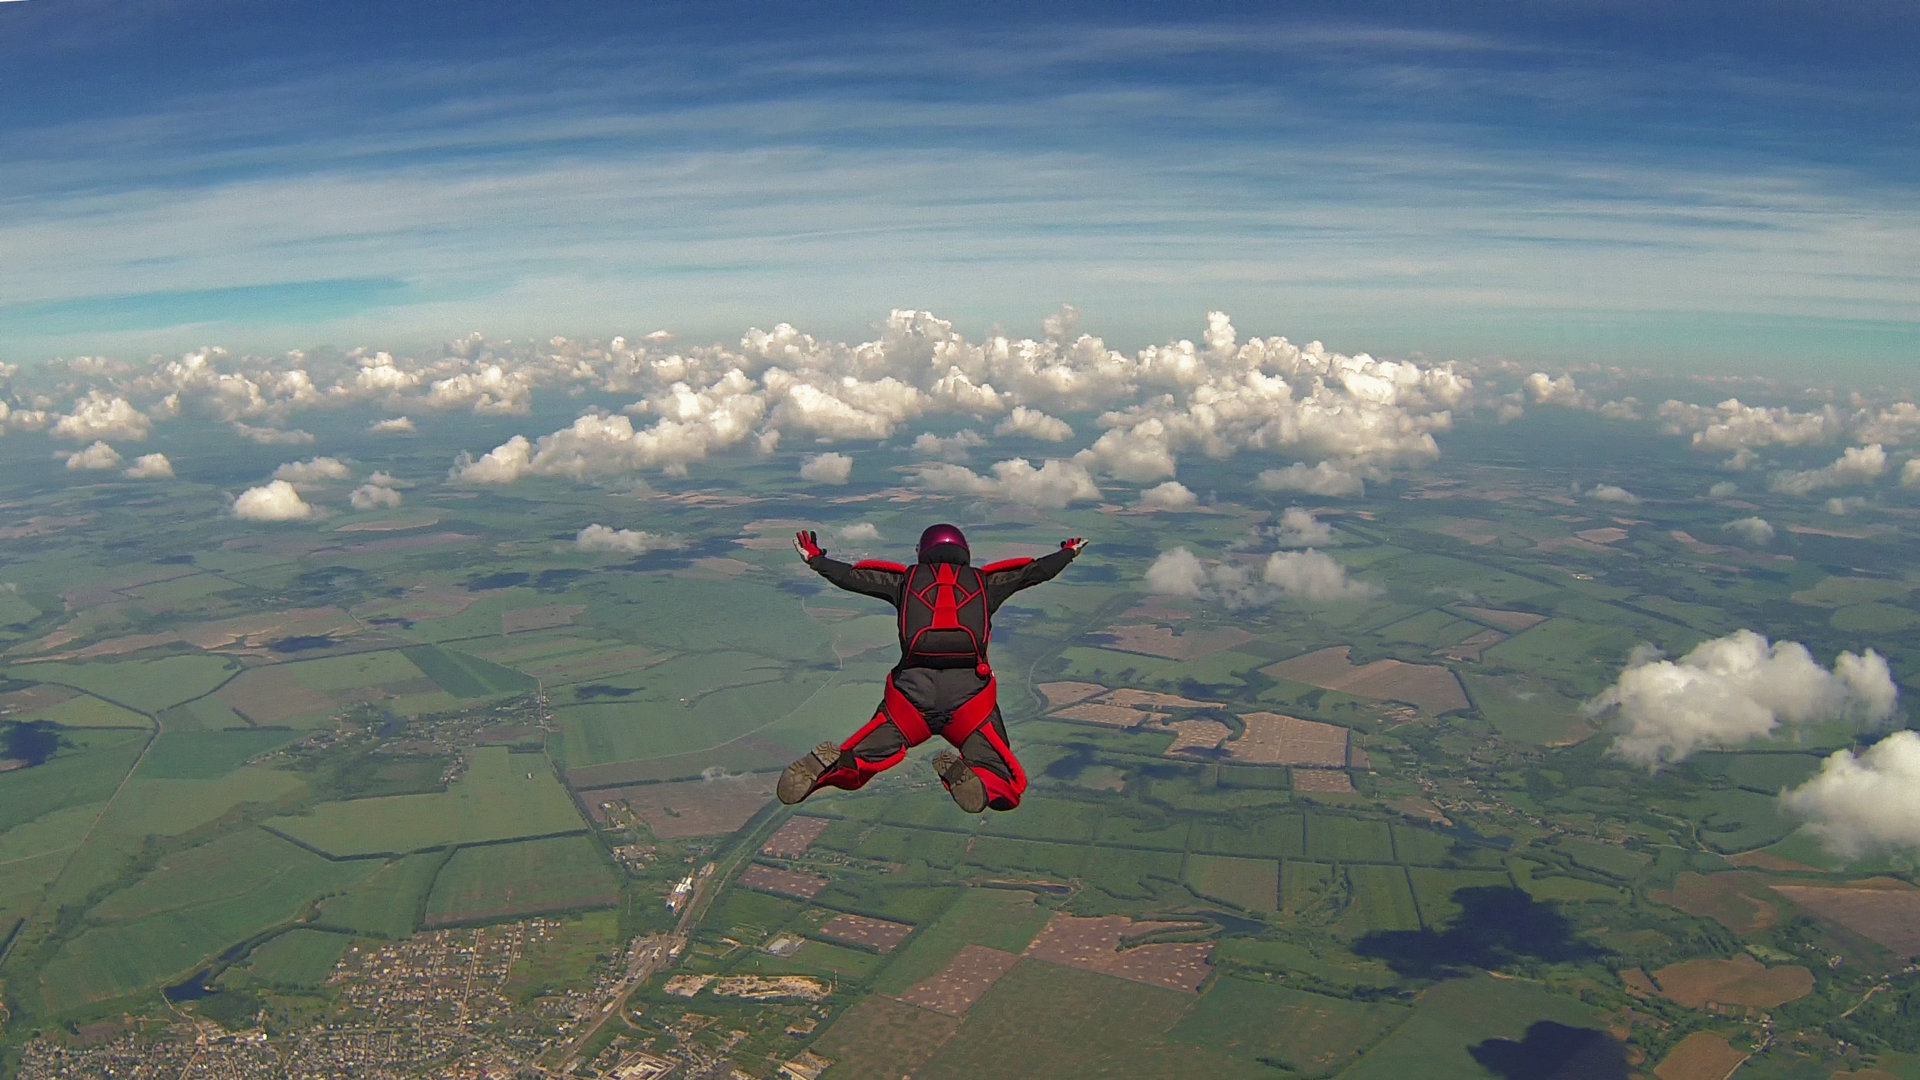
648 955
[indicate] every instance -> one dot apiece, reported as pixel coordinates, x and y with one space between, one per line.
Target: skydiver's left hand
1074 545
807 543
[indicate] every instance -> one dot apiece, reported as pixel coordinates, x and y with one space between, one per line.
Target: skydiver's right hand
807 543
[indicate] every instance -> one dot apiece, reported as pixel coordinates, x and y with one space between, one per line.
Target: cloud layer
1309 576
1735 689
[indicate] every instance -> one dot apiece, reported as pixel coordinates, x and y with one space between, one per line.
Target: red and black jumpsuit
942 684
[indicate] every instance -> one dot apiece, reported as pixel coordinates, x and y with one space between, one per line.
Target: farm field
389 903
532 877
499 797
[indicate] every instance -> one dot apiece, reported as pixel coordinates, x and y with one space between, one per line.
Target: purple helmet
942 543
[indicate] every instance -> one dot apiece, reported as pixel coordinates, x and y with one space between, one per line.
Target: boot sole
962 782
802 778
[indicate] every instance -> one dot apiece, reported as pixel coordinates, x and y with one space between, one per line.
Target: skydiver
943 684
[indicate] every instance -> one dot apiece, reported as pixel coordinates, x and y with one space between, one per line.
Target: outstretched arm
1003 580
878 580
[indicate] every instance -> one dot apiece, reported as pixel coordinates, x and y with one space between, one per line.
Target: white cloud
489 391
394 426
1053 485
1735 689
1725 489
1731 425
150 467
314 471
376 494
1172 495
859 532
1034 424
827 468
273 501
1910 473
1313 576
102 416
1324 478
1543 389
1861 804
627 541
954 447
97 456
1299 528
1754 530
1309 576
267 436
1177 573
1841 507
502 465
1612 493
1855 465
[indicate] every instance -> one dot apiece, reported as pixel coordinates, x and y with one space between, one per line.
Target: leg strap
1003 793
895 706
972 713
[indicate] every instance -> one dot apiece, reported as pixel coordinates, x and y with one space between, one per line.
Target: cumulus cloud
859 532
1034 424
1736 689
1864 803
827 468
1172 495
502 465
267 436
1855 465
398 425
1910 473
314 471
1754 530
97 456
489 391
1309 576
274 501
626 541
1323 478
1732 425
150 467
101 416
1841 507
1543 389
1299 528
1313 576
376 494
1612 493
954 447
1053 485
1725 489
1177 573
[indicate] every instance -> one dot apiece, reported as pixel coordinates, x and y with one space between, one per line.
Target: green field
1041 1019
498 882
1434 890
1302 1033
88 711
148 686
466 676
1253 884
299 959
1460 1013
389 903
85 770
208 755
1275 836
1004 919
1343 839
192 906
501 797
1381 900
355 671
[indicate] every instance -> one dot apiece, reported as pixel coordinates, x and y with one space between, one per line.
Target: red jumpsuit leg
879 745
978 733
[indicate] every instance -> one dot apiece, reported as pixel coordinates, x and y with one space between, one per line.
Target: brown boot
802 778
962 782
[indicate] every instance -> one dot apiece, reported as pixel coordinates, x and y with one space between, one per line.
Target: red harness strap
966 719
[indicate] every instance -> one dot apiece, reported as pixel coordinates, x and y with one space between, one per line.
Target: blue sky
1659 184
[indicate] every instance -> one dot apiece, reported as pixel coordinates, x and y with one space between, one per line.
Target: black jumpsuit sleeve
875 581
1002 584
